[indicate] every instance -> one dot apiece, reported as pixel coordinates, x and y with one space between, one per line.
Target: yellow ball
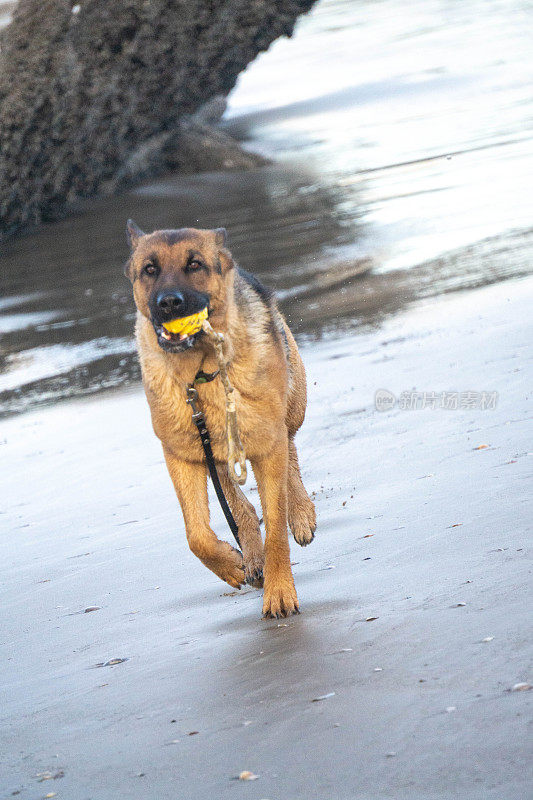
187 325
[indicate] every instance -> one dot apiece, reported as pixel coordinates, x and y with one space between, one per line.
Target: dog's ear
221 237
225 260
133 233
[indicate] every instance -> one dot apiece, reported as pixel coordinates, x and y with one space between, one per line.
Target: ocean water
402 163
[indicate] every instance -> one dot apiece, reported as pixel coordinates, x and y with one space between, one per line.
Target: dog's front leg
280 597
190 483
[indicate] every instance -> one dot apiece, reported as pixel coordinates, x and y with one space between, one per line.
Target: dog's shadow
278 671
266 652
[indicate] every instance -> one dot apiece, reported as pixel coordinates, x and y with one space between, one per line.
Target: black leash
199 420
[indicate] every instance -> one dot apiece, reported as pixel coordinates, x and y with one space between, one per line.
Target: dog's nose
169 303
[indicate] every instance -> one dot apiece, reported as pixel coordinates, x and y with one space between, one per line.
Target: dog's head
176 273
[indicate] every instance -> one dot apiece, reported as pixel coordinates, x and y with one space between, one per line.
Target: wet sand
422 553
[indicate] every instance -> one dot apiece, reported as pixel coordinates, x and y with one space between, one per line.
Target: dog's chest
259 415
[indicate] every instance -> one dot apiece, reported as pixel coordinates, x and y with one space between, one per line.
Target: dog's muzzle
177 318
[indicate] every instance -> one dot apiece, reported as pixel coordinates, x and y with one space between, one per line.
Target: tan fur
269 380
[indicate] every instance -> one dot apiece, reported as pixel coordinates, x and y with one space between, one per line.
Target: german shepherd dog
176 273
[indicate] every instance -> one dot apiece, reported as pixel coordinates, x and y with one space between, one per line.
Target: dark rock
96 95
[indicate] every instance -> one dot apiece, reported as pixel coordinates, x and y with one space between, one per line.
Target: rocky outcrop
97 94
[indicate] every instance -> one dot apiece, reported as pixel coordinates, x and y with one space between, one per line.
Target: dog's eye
150 269
194 265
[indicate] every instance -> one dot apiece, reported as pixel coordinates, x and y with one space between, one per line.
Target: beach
413 595
393 222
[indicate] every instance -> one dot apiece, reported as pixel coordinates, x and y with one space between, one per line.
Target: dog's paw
253 566
302 522
254 575
230 566
280 599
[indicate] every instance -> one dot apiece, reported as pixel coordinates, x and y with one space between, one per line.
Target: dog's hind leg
190 483
249 532
301 510
279 599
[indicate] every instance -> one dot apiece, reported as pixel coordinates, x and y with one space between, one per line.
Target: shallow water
403 165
